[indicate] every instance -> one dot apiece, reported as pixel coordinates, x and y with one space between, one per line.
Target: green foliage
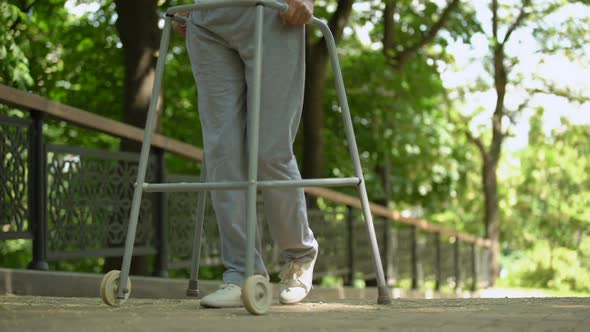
15 253
205 273
400 114
332 281
552 198
416 17
86 265
571 36
73 60
14 65
397 115
556 268
547 208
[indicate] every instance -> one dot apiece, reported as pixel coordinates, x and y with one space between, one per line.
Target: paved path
46 314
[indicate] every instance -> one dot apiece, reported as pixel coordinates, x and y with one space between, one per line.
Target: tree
407 122
406 31
315 73
14 65
137 25
547 207
552 201
405 34
402 41
505 20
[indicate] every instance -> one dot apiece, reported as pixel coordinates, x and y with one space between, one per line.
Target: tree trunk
313 115
137 25
492 219
138 29
316 61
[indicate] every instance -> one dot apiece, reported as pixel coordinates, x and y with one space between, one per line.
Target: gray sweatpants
220 45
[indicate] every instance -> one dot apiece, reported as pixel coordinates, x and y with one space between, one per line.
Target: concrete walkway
28 313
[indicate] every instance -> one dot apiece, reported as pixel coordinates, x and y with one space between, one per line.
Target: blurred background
472 119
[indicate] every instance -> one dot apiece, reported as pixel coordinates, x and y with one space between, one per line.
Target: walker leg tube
143 162
193 284
253 127
384 296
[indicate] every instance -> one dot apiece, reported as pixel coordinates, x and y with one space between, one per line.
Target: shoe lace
290 275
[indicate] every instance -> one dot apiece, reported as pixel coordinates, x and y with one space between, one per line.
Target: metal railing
73 202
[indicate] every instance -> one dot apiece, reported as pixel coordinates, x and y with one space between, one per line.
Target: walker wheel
257 295
109 287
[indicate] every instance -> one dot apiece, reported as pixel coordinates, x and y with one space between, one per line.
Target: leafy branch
399 56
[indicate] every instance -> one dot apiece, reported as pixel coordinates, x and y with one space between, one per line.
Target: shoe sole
221 306
287 302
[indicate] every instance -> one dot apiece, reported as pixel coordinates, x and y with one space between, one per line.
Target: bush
15 253
555 268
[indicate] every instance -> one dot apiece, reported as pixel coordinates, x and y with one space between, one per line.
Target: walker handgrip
212 4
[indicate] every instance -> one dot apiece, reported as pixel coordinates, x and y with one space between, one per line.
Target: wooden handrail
28 101
382 211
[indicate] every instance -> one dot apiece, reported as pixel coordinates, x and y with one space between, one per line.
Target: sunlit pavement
511 293
27 313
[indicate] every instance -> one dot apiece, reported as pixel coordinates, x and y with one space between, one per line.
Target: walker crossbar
198 186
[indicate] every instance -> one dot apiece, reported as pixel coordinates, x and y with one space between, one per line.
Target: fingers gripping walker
256 293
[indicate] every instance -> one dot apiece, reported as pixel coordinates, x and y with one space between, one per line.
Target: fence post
457 263
473 268
386 261
350 245
414 257
159 201
37 192
437 267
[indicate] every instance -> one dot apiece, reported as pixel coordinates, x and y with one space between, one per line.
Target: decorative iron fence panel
483 271
181 219
427 257
329 228
447 262
403 259
466 264
181 215
89 195
14 148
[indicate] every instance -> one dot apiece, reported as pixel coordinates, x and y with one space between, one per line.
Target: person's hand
299 12
178 27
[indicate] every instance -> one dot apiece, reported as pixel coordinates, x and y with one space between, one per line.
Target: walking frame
257 292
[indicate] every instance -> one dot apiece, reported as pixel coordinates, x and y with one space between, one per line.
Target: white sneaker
296 278
227 296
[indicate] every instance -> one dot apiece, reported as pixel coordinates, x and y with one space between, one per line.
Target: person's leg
283 80
219 73
283 75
